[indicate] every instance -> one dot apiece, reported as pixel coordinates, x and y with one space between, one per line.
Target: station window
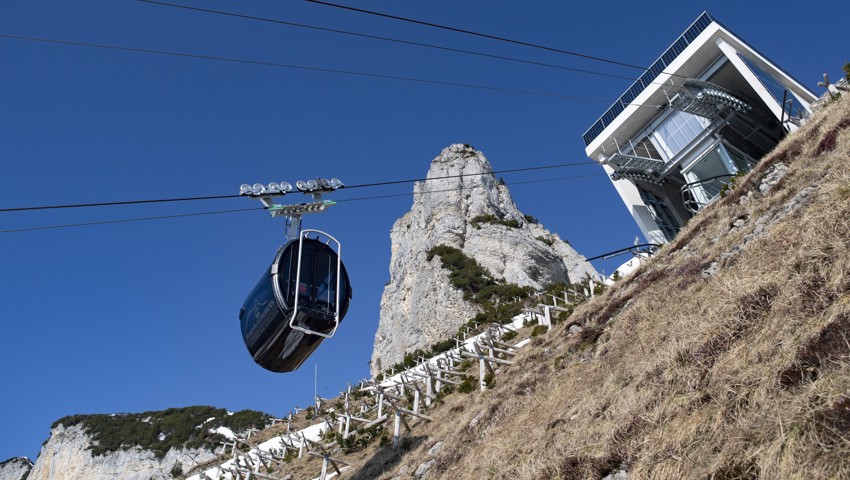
678 130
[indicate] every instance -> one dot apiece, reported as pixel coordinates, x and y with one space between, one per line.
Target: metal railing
696 195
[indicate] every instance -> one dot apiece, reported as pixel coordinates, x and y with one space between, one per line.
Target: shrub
442 346
531 219
728 187
558 317
176 470
464 365
410 358
359 440
467 385
478 287
539 329
508 336
161 431
547 241
490 379
559 361
245 419
490 218
465 273
445 391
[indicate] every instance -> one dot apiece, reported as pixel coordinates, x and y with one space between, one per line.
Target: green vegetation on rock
160 431
547 241
478 287
490 218
468 276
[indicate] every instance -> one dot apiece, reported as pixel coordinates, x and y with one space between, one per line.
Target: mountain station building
710 107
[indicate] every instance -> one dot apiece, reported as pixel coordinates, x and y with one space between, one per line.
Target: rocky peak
67 454
15 468
140 446
461 205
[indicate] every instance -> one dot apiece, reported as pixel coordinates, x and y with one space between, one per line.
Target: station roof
692 53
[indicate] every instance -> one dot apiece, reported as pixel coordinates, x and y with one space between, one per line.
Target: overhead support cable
220 212
383 38
127 202
302 68
128 220
218 197
477 34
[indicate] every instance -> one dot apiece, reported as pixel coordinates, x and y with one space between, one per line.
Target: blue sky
143 316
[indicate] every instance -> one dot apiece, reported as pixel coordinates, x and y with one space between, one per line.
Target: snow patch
224 431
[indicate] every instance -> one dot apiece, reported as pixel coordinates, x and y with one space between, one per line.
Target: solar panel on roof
656 69
699 25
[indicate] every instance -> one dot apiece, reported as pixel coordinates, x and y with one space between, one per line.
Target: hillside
725 356
139 446
15 468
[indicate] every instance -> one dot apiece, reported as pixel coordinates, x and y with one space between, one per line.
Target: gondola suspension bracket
315 188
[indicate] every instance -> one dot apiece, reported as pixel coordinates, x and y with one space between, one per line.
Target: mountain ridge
461 205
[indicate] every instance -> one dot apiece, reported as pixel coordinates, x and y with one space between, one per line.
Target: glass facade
712 170
678 130
794 106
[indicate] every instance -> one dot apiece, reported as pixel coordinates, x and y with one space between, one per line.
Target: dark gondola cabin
318 296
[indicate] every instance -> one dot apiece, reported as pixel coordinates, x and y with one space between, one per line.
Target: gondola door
316 284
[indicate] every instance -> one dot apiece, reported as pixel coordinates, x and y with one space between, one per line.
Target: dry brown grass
744 374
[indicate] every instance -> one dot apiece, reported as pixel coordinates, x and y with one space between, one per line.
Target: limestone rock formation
474 213
15 468
66 455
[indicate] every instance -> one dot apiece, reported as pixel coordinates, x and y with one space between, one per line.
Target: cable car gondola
303 296
295 305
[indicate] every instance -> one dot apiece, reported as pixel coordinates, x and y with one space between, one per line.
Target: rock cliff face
15 468
66 455
473 213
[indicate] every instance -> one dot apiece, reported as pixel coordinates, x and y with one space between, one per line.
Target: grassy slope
742 374
745 374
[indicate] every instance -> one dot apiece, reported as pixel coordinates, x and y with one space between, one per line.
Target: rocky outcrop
461 205
67 455
15 468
